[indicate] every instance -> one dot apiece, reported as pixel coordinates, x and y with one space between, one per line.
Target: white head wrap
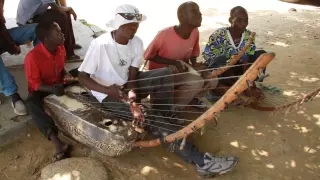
119 20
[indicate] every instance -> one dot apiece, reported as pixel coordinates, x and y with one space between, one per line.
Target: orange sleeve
32 72
196 47
153 48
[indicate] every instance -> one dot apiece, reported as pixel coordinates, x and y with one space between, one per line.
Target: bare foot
255 93
63 152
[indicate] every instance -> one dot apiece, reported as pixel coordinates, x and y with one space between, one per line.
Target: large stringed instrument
241 85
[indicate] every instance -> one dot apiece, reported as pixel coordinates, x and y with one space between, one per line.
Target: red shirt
42 67
168 44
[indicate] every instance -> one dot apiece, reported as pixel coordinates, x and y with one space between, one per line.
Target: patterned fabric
221 43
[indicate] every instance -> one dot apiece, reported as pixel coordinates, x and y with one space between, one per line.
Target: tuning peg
215 118
262 75
184 140
139 130
249 85
194 129
226 105
203 130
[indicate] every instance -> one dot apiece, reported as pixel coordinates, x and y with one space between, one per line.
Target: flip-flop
69 149
77 46
74 58
65 154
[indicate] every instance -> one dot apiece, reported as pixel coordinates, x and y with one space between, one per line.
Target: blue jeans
20 35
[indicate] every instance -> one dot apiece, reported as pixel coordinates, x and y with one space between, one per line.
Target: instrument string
108 108
183 73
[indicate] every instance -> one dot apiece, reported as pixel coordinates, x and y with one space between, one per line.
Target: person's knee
31 27
218 61
164 71
164 75
62 16
200 83
31 105
196 82
33 101
213 83
259 52
30 32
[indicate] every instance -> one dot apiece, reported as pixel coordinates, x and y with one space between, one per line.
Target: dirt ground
268 147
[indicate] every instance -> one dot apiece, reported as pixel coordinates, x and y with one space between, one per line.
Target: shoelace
211 159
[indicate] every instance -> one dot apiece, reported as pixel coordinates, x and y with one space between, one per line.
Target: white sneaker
19 108
216 165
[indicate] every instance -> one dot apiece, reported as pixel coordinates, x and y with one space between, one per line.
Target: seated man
113 60
37 11
180 42
45 73
10 40
225 42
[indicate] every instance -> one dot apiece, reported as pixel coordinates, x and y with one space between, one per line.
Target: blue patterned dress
221 44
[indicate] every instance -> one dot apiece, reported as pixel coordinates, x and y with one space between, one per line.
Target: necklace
122 62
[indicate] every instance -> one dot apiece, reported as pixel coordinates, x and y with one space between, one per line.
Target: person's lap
158 125
148 83
36 109
229 77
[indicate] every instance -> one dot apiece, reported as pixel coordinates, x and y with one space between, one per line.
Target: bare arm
57 89
133 72
64 72
58 2
114 90
132 84
58 7
193 60
162 60
84 79
46 88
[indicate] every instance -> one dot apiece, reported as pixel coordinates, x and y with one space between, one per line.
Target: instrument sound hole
108 123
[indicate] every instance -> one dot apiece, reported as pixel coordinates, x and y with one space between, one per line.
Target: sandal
77 46
63 154
57 157
255 93
74 58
